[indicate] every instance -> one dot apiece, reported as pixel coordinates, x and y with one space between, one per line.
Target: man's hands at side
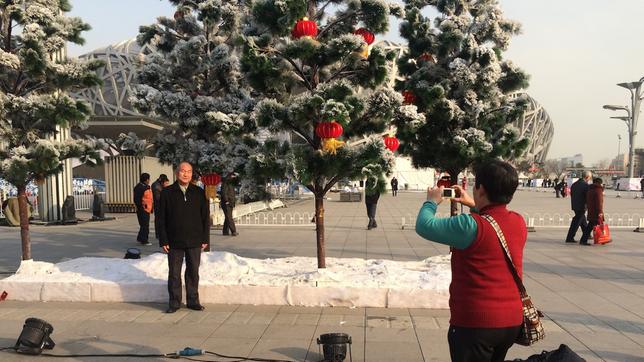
166 248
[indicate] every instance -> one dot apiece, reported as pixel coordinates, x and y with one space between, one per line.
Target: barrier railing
277 218
85 200
560 220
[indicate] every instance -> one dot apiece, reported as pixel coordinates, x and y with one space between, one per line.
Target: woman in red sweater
486 310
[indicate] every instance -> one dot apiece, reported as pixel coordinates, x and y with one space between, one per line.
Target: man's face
184 173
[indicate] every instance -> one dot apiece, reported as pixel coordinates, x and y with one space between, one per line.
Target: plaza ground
593 297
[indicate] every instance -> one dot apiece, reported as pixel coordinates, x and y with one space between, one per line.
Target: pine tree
455 74
194 84
317 73
35 79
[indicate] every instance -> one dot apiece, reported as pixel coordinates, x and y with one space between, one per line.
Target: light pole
631 120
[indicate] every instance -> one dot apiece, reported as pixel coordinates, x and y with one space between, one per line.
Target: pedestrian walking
372 191
642 186
184 225
143 202
486 311
557 188
578 193
157 186
394 186
228 198
595 205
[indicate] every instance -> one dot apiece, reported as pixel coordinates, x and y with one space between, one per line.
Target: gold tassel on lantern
331 145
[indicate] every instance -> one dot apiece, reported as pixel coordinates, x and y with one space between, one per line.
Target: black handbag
531 329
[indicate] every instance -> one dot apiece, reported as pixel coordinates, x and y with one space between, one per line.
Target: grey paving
593 297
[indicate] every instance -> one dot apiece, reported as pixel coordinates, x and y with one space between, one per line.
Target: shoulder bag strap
508 257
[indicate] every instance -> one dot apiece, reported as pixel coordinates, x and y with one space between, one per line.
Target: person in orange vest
143 201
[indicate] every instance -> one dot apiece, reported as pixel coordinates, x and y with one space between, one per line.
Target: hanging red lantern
331 129
368 36
392 143
305 27
426 57
211 179
409 97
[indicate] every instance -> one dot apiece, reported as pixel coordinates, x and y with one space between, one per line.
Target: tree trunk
23 209
319 228
453 176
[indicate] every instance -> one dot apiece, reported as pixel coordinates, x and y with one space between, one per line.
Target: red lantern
368 36
427 58
305 27
211 179
409 97
331 129
392 143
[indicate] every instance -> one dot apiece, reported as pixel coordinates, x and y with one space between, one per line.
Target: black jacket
183 222
371 199
394 184
578 192
139 189
156 187
228 196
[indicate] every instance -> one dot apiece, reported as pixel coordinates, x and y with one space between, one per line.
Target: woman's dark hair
499 178
144 177
598 180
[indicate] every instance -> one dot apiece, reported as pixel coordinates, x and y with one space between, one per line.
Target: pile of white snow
231 279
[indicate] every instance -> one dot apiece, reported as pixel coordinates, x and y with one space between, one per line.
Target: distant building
573 161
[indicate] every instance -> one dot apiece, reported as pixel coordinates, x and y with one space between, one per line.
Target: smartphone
449 193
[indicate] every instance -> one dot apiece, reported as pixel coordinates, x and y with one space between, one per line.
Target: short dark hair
598 180
499 178
144 177
163 177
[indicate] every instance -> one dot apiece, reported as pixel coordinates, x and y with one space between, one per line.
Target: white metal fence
82 201
559 220
276 218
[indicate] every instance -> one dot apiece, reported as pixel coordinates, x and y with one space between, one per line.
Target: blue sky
574 50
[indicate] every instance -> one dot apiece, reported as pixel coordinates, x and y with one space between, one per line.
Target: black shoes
585 244
198 307
570 241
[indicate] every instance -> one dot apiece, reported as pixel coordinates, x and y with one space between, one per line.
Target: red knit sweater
483 293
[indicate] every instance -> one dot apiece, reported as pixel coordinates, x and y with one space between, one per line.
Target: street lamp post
631 119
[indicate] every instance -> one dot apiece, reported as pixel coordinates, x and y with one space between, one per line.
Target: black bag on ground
561 354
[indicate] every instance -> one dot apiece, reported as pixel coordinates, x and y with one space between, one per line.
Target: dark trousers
579 220
587 231
175 261
480 344
394 192
144 226
229 222
371 213
156 224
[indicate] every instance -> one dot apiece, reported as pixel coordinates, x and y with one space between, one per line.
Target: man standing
157 186
184 230
143 203
228 198
394 186
578 193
